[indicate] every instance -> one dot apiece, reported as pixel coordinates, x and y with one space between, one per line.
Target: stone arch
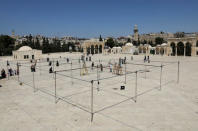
173 47
197 43
180 49
88 50
96 49
100 48
157 50
162 51
144 49
92 49
188 49
140 49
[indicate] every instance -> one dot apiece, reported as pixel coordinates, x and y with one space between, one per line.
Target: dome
164 44
25 48
129 44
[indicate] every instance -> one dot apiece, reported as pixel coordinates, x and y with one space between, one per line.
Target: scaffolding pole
161 77
18 71
178 72
8 71
92 113
33 81
136 86
40 68
55 87
71 74
145 71
97 79
80 66
125 75
53 67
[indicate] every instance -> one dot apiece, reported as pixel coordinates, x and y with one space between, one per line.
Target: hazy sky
90 18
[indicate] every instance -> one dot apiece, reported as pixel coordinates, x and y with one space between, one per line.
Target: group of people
11 72
146 59
116 68
98 66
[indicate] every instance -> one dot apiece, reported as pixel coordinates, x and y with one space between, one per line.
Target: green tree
128 40
151 43
100 39
6 45
144 42
65 47
37 44
46 46
159 40
179 34
72 45
110 43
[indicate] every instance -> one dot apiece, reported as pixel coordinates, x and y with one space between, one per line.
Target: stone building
93 47
128 48
26 53
183 46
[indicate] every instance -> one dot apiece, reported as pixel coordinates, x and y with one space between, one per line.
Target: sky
92 18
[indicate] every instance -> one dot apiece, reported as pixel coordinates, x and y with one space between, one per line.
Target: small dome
164 44
25 48
129 44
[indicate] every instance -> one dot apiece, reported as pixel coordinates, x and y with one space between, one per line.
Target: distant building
26 53
128 48
93 46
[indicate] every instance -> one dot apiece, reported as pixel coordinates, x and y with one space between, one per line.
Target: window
26 56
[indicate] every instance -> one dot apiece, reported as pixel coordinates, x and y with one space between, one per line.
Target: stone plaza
159 95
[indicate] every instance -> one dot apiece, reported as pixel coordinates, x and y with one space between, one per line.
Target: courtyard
157 95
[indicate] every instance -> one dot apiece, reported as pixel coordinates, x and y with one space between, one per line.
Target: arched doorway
157 50
144 50
96 49
197 44
88 50
92 49
162 51
100 49
140 50
152 51
180 49
188 49
173 49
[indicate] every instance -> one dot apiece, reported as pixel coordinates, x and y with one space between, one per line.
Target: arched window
197 44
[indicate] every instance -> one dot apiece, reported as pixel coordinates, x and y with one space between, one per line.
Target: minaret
135 33
13 33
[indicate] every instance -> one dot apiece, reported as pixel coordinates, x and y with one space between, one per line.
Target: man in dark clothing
50 70
57 63
144 58
92 65
3 74
148 59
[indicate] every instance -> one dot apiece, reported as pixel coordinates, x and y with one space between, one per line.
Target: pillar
184 51
176 50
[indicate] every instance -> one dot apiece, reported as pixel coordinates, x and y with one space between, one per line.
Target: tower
13 33
135 33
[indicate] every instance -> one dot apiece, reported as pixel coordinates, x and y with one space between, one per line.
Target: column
175 50
184 51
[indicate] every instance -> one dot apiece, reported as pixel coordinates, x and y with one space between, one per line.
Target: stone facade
26 54
93 47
